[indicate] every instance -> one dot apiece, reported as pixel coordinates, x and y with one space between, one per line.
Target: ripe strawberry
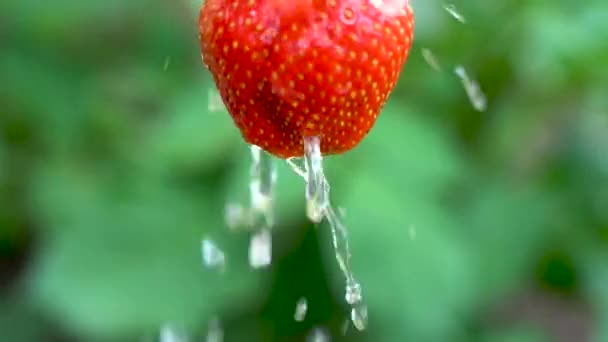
292 68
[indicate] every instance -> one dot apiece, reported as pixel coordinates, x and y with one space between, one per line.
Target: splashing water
263 179
317 188
261 187
453 11
318 207
358 312
213 257
476 96
260 249
236 216
301 310
259 216
431 59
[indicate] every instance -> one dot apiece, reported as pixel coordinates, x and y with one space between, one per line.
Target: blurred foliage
465 225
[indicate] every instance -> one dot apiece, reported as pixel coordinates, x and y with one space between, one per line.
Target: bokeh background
465 225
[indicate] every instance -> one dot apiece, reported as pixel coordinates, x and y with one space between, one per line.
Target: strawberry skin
286 69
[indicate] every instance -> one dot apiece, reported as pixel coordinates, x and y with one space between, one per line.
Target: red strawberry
292 68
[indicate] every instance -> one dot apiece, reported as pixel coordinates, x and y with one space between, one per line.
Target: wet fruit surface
289 69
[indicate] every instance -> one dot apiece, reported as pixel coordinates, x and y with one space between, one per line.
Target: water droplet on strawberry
348 16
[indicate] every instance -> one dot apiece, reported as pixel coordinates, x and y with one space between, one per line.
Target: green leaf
192 136
406 151
517 334
124 255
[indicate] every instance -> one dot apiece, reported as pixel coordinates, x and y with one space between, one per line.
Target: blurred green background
465 225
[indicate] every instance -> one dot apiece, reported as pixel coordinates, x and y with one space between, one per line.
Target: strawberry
286 69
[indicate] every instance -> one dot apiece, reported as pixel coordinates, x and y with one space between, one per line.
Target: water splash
236 216
301 310
474 92
318 207
261 187
358 315
317 188
213 257
258 217
260 249
431 59
263 178
453 11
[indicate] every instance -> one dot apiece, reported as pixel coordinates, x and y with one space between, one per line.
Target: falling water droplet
259 214
431 59
353 293
263 179
301 309
453 11
358 315
318 335
476 96
213 257
236 216
317 188
260 249
358 312
319 207
215 333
